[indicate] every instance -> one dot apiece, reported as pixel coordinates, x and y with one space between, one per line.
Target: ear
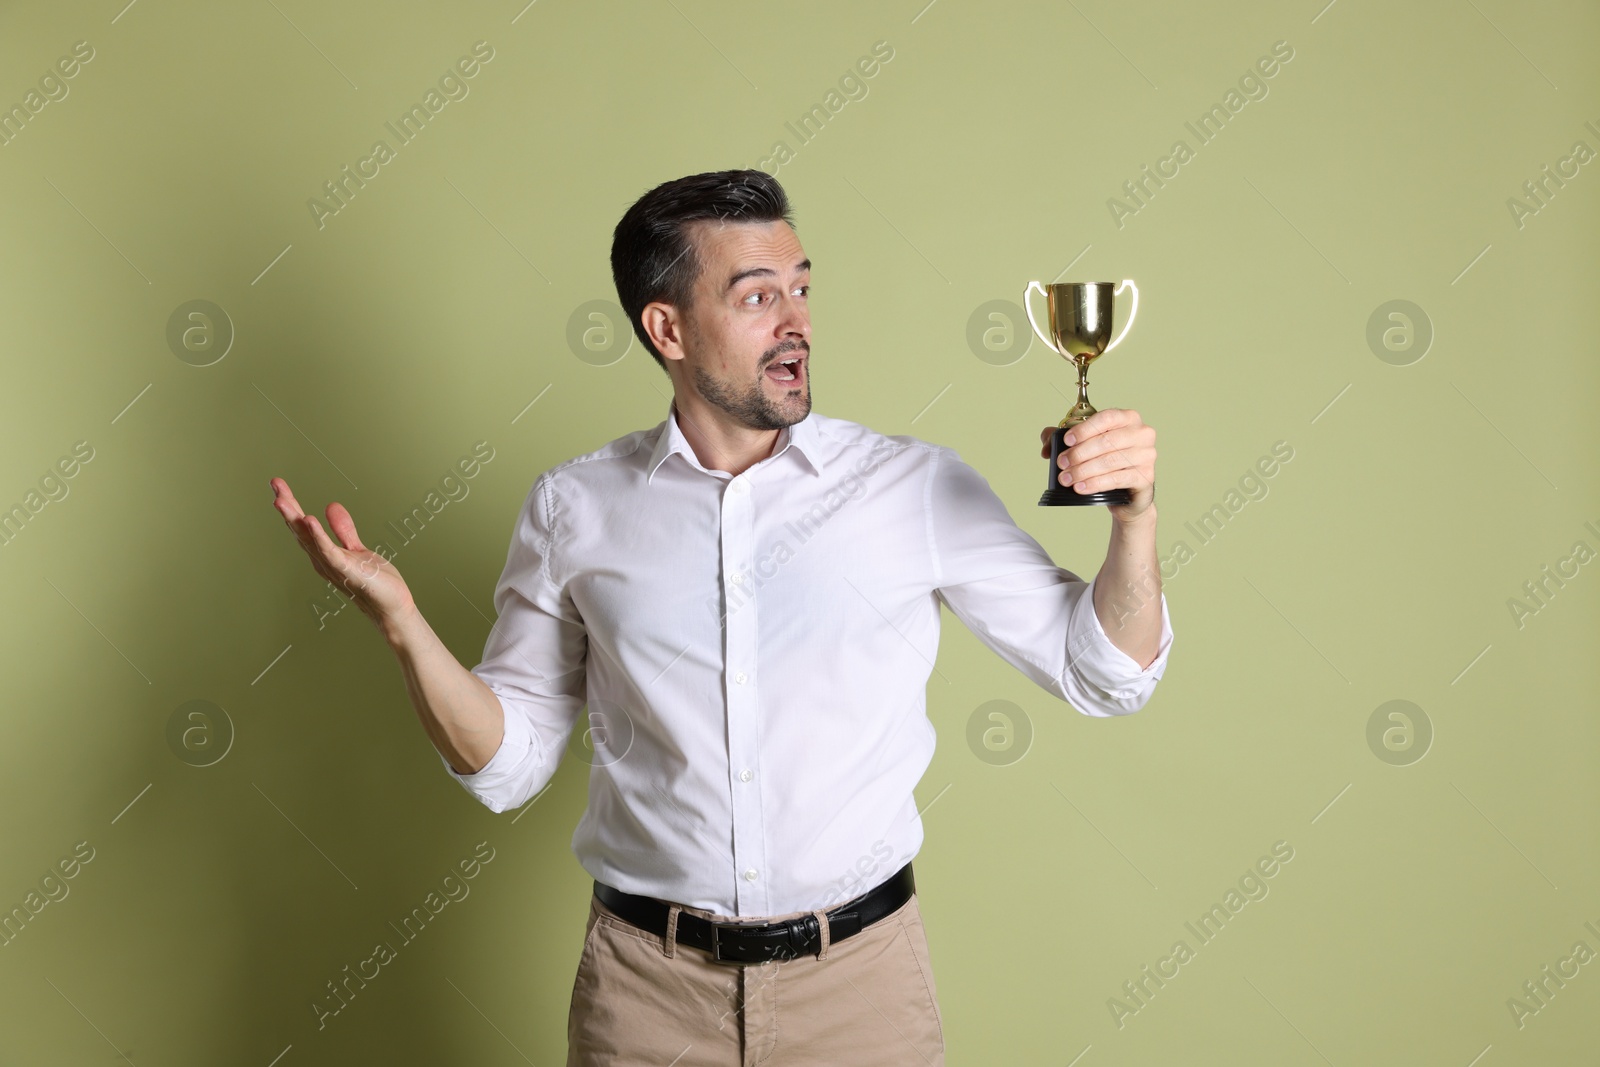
664 325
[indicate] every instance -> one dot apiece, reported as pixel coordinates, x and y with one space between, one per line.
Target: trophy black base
1062 496
1058 495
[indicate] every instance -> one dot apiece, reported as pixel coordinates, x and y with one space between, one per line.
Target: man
745 599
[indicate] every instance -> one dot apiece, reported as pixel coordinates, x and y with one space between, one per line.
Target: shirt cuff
509 756
1093 656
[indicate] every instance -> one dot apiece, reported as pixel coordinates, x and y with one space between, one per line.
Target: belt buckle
716 944
777 952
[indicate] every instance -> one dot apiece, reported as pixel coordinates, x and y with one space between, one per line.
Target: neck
719 443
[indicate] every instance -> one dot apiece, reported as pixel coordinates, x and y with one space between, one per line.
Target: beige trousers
643 1001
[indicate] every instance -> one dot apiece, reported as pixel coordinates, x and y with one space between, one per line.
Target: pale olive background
429 313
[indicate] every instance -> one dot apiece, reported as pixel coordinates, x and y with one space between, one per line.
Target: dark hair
652 255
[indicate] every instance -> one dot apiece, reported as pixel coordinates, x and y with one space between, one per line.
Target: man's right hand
365 576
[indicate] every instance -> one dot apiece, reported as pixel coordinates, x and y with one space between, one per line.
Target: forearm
1127 591
460 714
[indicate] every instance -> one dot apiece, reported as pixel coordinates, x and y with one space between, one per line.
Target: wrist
1145 520
403 628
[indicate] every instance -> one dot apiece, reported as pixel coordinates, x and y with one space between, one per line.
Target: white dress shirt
754 653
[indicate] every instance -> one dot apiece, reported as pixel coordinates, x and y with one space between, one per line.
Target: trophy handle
1031 320
1131 312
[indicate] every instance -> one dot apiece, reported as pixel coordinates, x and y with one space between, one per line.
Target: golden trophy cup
1080 331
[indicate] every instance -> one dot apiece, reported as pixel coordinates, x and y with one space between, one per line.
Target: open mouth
787 370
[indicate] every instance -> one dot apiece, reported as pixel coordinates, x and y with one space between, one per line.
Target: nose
794 319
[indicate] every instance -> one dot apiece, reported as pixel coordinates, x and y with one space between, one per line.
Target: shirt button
745 776
737 578
740 677
751 875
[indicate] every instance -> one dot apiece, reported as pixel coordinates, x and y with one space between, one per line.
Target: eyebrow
764 272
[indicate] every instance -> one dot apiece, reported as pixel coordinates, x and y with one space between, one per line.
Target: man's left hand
1110 449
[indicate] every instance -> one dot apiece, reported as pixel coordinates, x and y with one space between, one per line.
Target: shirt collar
802 435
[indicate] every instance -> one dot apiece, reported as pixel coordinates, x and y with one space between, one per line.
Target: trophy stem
1082 409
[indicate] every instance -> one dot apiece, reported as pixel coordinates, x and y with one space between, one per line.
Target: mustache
772 355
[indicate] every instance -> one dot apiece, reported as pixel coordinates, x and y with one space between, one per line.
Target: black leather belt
759 943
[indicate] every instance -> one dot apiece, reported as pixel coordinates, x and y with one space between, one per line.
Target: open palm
369 579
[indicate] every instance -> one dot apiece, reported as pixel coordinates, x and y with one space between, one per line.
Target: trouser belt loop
822 926
670 942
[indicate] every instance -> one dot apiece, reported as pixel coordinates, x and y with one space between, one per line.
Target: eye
755 297
804 290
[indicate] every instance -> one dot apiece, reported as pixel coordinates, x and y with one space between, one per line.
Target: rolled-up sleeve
1036 616
533 661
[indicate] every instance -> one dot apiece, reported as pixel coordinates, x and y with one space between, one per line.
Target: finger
321 546
1085 449
1122 479
1104 421
1111 440
283 499
1114 460
339 518
302 536
1082 431
1111 418
302 533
